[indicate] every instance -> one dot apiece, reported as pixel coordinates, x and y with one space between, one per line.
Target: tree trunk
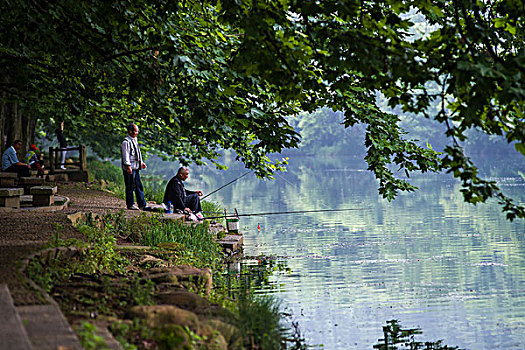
13 123
28 129
2 125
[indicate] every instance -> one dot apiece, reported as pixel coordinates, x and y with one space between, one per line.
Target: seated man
33 160
181 198
10 163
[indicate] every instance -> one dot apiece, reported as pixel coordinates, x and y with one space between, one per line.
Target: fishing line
286 212
220 188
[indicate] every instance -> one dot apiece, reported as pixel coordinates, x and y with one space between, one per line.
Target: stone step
7 179
31 181
10 197
47 328
6 175
231 244
43 196
13 335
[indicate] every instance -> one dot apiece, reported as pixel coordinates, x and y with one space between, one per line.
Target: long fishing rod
284 212
220 188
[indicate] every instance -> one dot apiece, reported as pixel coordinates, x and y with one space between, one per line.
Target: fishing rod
283 212
220 188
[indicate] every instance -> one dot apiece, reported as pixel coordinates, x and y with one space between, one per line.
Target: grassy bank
162 294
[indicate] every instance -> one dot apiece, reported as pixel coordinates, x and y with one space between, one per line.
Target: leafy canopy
202 76
163 65
470 61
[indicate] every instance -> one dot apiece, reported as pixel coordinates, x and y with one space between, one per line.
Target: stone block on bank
231 243
7 179
200 279
47 190
43 196
8 175
31 181
159 315
183 299
27 182
10 197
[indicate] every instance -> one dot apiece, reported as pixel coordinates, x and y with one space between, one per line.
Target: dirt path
24 232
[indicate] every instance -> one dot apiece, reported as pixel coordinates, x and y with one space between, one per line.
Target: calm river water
426 259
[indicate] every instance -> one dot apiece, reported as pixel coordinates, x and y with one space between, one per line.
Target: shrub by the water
194 242
260 322
198 245
106 171
154 188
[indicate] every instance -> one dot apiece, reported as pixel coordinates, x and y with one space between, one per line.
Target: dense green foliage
203 76
106 171
197 246
99 65
260 320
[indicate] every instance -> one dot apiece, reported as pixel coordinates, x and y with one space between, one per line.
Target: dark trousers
193 202
21 170
134 185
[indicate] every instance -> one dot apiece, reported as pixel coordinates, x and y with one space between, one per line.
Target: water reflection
398 338
427 259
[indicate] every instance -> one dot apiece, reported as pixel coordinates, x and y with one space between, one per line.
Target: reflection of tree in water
253 273
396 338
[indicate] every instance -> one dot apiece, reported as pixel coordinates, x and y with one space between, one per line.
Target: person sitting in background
10 162
181 198
34 161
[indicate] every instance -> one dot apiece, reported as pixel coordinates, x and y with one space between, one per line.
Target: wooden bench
7 179
43 196
10 197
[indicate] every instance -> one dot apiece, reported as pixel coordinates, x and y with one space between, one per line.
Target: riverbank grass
99 284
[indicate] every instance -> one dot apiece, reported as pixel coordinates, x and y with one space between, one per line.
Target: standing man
10 162
181 198
131 165
62 143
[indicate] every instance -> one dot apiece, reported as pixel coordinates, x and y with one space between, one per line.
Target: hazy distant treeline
323 133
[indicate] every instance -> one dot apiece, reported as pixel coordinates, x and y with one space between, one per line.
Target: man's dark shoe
133 207
146 208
